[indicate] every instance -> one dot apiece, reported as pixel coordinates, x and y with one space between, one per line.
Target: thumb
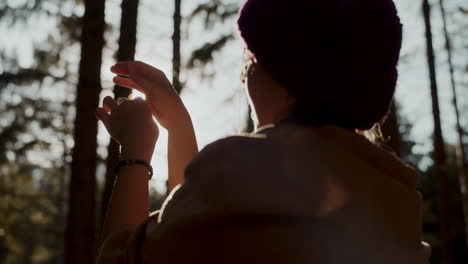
105 118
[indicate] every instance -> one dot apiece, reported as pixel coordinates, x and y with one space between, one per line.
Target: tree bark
440 166
126 52
176 60
80 231
460 149
61 196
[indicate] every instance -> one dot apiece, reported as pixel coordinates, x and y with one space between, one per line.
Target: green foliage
35 138
22 12
205 54
429 189
32 189
214 11
29 211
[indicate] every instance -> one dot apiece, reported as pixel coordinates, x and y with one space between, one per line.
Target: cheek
249 87
249 82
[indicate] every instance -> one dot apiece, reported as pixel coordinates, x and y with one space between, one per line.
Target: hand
131 125
163 100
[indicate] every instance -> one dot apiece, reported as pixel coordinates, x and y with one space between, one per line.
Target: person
304 187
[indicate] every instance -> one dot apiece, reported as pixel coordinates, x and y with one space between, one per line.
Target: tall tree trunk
461 150
126 52
80 231
391 132
176 61
176 58
440 167
62 193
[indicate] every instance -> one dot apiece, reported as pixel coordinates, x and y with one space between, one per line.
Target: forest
56 160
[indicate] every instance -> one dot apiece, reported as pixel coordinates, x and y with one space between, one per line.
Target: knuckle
107 99
123 101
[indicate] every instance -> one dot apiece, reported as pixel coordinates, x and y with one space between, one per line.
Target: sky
218 106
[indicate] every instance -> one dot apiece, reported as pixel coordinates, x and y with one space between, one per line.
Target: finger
146 76
129 83
140 100
109 104
125 68
143 69
120 100
121 68
102 115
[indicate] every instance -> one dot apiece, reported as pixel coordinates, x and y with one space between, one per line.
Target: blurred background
56 161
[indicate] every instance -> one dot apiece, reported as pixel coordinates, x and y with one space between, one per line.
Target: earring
248 70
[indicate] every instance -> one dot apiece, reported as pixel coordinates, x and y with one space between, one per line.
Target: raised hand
163 100
131 124
169 110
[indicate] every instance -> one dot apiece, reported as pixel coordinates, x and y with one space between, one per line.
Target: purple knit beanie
338 58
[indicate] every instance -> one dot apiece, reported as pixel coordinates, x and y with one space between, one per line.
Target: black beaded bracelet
123 163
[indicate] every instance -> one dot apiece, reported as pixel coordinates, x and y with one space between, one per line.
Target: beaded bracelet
123 163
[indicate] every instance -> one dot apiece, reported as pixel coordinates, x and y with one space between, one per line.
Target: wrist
136 153
131 162
182 125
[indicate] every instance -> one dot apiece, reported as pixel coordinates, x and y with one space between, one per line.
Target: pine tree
40 128
126 52
440 166
176 60
80 230
460 149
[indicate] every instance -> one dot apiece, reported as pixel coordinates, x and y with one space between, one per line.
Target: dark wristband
123 163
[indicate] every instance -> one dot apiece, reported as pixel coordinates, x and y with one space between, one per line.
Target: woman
304 187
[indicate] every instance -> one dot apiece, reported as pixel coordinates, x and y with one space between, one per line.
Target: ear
251 69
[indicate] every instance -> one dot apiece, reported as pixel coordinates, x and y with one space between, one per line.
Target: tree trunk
126 52
391 132
460 149
62 193
176 61
80 231
440 167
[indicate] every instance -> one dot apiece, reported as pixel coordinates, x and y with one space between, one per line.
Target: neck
266 118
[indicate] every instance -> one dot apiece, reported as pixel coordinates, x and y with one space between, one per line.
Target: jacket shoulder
227 152
234 143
